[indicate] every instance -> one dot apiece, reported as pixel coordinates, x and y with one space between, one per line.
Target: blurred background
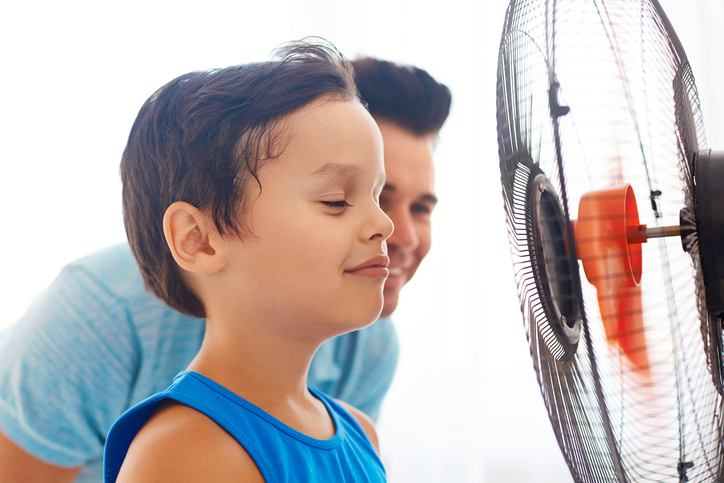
465 406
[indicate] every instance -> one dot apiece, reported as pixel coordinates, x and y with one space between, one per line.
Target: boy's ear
191 238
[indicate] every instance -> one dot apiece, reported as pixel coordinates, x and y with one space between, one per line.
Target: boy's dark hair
402 94
202 137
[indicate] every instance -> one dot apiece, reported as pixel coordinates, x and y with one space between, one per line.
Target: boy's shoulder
364 421
180 444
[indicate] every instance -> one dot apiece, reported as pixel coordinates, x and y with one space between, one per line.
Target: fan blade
610 251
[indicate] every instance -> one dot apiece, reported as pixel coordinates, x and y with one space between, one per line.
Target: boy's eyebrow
429 197
337 170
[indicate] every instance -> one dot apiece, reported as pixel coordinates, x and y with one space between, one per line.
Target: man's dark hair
202 137
404 95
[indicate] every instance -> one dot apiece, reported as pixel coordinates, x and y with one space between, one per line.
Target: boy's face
315 225
408 198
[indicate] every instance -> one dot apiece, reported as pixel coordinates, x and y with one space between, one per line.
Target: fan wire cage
594 96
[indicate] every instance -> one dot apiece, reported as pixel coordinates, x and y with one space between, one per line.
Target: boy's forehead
337 170
330 124
319 106
330 139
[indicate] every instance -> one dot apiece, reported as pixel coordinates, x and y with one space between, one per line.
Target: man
96 343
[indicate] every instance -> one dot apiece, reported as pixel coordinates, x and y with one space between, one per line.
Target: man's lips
396 271
397 278
372 268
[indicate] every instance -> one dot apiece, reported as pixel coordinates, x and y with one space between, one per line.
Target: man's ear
192 238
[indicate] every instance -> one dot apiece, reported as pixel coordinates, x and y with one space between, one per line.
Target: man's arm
66 369
17 465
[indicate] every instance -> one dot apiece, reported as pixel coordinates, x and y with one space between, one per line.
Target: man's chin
394 283
391 298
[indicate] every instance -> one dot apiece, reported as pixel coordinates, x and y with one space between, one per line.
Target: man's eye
336 204
421 209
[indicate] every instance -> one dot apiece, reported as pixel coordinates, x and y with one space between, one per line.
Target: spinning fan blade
608 245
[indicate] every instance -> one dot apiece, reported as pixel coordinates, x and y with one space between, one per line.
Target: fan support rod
662 231
642 233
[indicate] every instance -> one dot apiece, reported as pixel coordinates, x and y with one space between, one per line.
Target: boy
251 198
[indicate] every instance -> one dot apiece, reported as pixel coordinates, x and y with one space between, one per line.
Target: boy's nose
383 225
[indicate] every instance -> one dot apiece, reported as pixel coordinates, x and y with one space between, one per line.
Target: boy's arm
17 464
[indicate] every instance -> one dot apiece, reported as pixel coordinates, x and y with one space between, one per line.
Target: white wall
465 406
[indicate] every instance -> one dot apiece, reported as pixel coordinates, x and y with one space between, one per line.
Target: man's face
408 198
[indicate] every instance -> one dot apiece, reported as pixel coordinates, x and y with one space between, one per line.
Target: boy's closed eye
336 204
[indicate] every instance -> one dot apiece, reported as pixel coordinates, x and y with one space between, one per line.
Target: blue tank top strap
122 433
281 453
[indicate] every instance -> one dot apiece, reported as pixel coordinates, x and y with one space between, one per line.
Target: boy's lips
373 268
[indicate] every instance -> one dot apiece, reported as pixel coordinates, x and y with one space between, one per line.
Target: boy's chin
368 318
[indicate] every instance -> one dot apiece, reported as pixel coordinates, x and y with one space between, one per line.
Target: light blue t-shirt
281 453
96 343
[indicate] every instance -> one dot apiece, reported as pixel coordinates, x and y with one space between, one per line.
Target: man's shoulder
104 291
114 268
111 278
100 300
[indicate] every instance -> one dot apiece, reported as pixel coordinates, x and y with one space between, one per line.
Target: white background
465 406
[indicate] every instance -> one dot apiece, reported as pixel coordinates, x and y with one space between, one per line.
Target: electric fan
615 218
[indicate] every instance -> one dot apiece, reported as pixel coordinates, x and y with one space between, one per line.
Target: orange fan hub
608 239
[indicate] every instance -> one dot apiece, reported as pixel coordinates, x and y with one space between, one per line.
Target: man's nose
405 235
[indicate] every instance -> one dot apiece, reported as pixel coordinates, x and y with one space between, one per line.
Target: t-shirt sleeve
358 367
66 370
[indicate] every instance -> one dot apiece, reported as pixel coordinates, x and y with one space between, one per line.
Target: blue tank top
281 453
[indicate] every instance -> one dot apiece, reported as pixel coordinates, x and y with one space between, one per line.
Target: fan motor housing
710 225
553 264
